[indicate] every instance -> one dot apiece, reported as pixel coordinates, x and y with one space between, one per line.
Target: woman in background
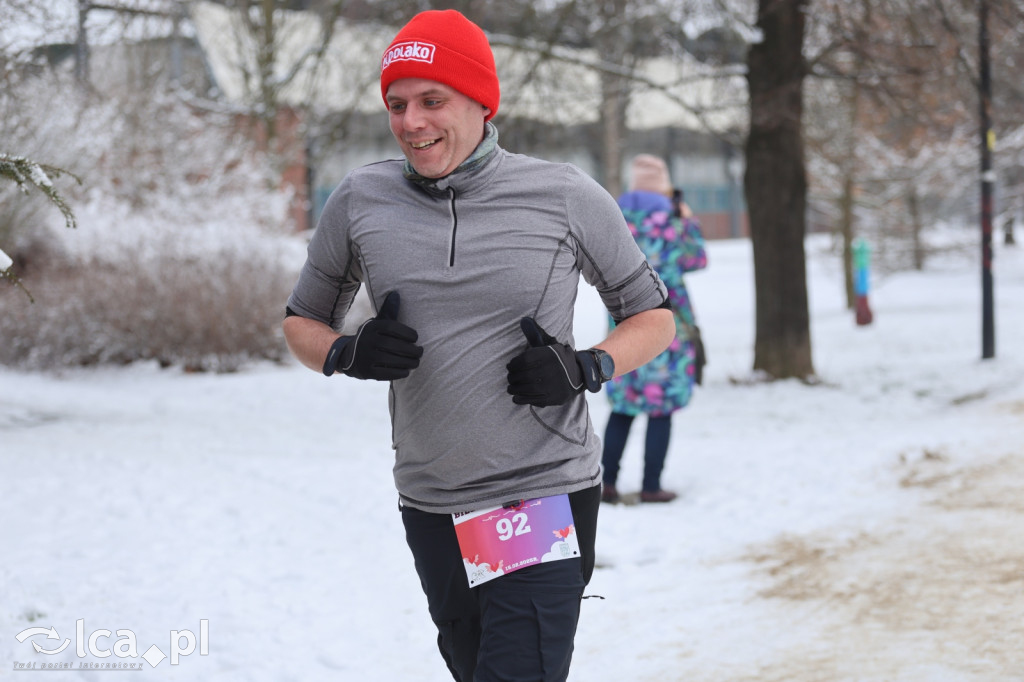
666 232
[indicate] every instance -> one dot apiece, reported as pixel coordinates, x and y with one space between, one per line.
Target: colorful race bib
501 540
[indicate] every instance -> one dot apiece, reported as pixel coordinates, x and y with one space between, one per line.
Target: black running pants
516 628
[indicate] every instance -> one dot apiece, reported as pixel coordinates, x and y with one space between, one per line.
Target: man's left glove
548 372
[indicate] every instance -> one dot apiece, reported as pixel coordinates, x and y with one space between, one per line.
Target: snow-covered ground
870 527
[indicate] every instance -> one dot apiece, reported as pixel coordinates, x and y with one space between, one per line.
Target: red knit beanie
443 46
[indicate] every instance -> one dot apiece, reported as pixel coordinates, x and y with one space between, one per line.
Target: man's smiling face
436 126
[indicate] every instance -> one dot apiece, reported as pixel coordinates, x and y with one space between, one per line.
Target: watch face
606 364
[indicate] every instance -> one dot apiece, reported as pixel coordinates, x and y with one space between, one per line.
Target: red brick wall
717 225
290 146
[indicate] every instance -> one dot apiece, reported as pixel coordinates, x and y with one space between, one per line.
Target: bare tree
618 32
892 117
263 35
776 189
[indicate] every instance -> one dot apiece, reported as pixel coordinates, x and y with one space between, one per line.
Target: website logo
100 644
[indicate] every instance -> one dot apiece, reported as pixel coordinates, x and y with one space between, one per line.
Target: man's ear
487 110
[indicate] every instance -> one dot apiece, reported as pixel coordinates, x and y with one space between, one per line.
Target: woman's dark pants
659 431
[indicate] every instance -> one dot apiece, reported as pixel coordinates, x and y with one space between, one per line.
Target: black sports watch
598 367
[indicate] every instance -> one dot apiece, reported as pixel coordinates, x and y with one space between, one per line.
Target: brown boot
610 494
657 496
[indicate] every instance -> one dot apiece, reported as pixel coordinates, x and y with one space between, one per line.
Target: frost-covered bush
180 255
198 313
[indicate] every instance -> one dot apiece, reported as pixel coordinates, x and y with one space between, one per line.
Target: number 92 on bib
501 540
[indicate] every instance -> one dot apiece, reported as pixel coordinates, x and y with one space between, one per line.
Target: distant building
549 109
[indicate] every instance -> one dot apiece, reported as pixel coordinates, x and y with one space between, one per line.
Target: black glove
547 373
383 349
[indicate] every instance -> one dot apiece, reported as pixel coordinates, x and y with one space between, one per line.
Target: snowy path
869 528
935 594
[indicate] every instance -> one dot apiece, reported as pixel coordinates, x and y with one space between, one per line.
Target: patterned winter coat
673 246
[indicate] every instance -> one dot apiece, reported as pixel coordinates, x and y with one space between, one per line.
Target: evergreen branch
13 279
24 172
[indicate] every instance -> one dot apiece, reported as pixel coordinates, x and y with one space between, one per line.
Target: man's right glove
383 349
547 373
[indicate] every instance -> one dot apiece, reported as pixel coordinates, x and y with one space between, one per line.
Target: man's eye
431 102
396 107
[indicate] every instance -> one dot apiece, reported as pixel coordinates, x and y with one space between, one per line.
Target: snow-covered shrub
181 252
215 311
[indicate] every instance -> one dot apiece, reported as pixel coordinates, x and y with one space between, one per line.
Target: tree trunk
846 231
849 190
775 185
614 99
265 62
914 207
614 42
82 44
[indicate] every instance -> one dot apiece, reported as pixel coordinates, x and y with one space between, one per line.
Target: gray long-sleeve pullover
471 255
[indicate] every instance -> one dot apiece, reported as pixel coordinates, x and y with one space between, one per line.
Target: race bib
501 540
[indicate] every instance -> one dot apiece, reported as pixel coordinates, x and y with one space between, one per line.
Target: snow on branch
5 273
24 172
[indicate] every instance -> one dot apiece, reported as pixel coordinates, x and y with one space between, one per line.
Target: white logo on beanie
414 51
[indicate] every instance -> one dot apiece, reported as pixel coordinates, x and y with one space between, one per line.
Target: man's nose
413 118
